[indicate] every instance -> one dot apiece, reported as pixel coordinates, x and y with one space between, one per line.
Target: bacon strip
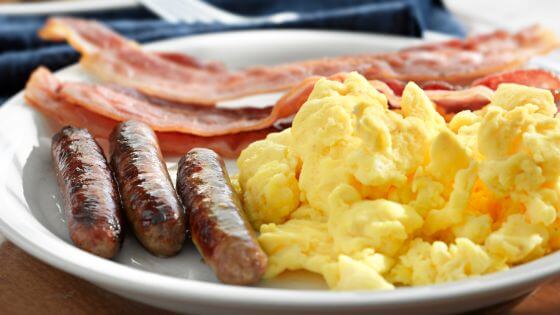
122 104
531 77
185 80
42 92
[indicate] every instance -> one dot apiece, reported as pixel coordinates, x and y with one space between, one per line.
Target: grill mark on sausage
91 201
149 199
218 224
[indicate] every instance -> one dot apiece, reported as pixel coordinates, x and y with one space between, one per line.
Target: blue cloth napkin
21 51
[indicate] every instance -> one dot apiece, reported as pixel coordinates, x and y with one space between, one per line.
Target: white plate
31 216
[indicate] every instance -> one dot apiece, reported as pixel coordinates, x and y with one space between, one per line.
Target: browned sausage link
149 199
218 224
91 199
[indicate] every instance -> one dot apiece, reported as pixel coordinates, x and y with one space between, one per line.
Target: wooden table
29 286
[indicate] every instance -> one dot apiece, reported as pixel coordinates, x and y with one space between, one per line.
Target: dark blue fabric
21 51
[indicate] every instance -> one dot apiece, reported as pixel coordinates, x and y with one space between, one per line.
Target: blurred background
476 15
21 50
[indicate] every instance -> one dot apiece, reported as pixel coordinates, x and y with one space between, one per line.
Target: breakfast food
150 202
372 198
122 104
42 92
219 228
91 202
371 187
115 59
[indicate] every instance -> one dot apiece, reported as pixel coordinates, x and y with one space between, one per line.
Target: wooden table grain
29 286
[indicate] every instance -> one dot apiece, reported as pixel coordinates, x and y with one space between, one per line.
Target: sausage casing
218 225
91 200
149 199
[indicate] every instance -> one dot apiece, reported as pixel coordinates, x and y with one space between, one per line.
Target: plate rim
107 272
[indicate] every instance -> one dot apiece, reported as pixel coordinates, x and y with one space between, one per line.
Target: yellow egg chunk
354 274
509 96
268 181
372 199
424 263
517 240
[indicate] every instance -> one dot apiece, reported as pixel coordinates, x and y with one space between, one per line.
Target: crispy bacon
186 60
186 80
42 92
122 104
531 77
398 86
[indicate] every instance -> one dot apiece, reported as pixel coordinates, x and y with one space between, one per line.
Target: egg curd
372 198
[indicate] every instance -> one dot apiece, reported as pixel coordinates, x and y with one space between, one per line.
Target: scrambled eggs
372 198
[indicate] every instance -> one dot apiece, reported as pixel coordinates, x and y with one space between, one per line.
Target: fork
197 11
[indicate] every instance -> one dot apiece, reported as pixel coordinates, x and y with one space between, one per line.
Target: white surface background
486 15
